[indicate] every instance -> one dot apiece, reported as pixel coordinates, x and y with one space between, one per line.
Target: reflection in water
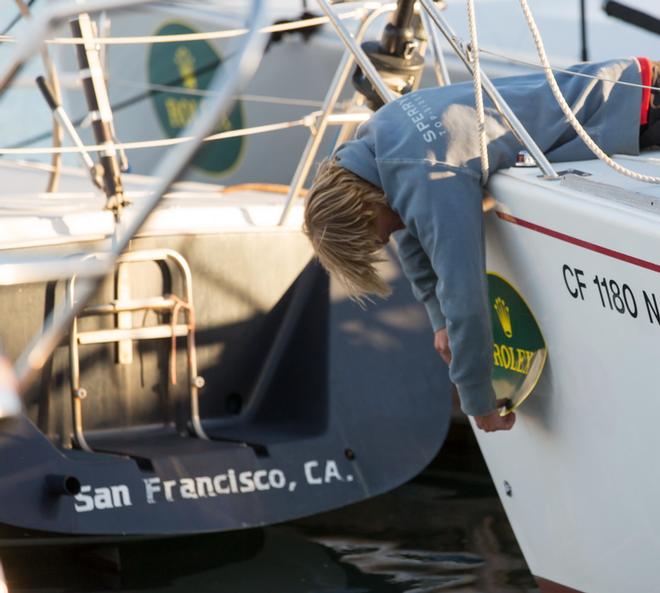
414 570
438 533
443 532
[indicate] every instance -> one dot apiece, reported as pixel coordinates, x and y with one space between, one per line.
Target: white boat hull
576 474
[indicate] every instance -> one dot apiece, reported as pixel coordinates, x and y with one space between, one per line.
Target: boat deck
157 442
594 180
30 217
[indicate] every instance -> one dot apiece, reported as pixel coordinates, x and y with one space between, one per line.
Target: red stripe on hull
642 263
547 586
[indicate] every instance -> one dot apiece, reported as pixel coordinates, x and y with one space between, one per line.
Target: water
445 531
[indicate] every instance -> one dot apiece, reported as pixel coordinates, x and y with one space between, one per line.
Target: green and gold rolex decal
519 351
189 66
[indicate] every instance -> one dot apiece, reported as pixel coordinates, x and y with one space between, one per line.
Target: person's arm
442 208
450 228
419 272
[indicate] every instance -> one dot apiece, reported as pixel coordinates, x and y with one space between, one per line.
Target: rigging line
142 96
308 121
281 100
565 71
305 121
178 38
164 88
119 106
570 116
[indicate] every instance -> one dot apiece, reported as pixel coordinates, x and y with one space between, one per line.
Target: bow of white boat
573 474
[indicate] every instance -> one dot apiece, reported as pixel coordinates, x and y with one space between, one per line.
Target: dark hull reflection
445 531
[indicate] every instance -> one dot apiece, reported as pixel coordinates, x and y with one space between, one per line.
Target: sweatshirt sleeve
419 272
442 208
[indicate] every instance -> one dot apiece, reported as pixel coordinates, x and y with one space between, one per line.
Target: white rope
556 91
478 92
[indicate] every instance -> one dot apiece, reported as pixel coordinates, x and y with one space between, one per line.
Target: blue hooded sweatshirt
422 150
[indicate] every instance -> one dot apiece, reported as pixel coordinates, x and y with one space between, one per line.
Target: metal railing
336 86
125 333
40 27
434 23
220 92
232 75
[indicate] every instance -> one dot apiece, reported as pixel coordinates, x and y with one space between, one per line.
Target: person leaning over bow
414 168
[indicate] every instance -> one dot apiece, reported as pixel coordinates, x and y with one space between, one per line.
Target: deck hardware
368 69
573 172
166 304
524 159
350 454
396 56
561 175
98 103
62 485
67 125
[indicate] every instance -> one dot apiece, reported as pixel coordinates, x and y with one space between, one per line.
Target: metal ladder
124 334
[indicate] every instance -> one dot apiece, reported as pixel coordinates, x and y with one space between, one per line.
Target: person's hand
441 345
493 421
489 422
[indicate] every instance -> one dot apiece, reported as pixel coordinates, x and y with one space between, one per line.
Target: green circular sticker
189 66
519 351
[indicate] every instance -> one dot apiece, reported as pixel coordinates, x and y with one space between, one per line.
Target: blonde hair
340 221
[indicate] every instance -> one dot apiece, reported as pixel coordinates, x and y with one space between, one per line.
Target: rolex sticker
180 73
519 351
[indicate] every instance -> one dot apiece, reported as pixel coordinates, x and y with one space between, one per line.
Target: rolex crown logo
185 61
503 315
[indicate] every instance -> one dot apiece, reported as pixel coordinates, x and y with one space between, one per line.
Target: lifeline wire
308 121
279 27
577 126
167 88
162 142
276 28
514 60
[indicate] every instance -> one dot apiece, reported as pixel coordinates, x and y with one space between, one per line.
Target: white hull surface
577 473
